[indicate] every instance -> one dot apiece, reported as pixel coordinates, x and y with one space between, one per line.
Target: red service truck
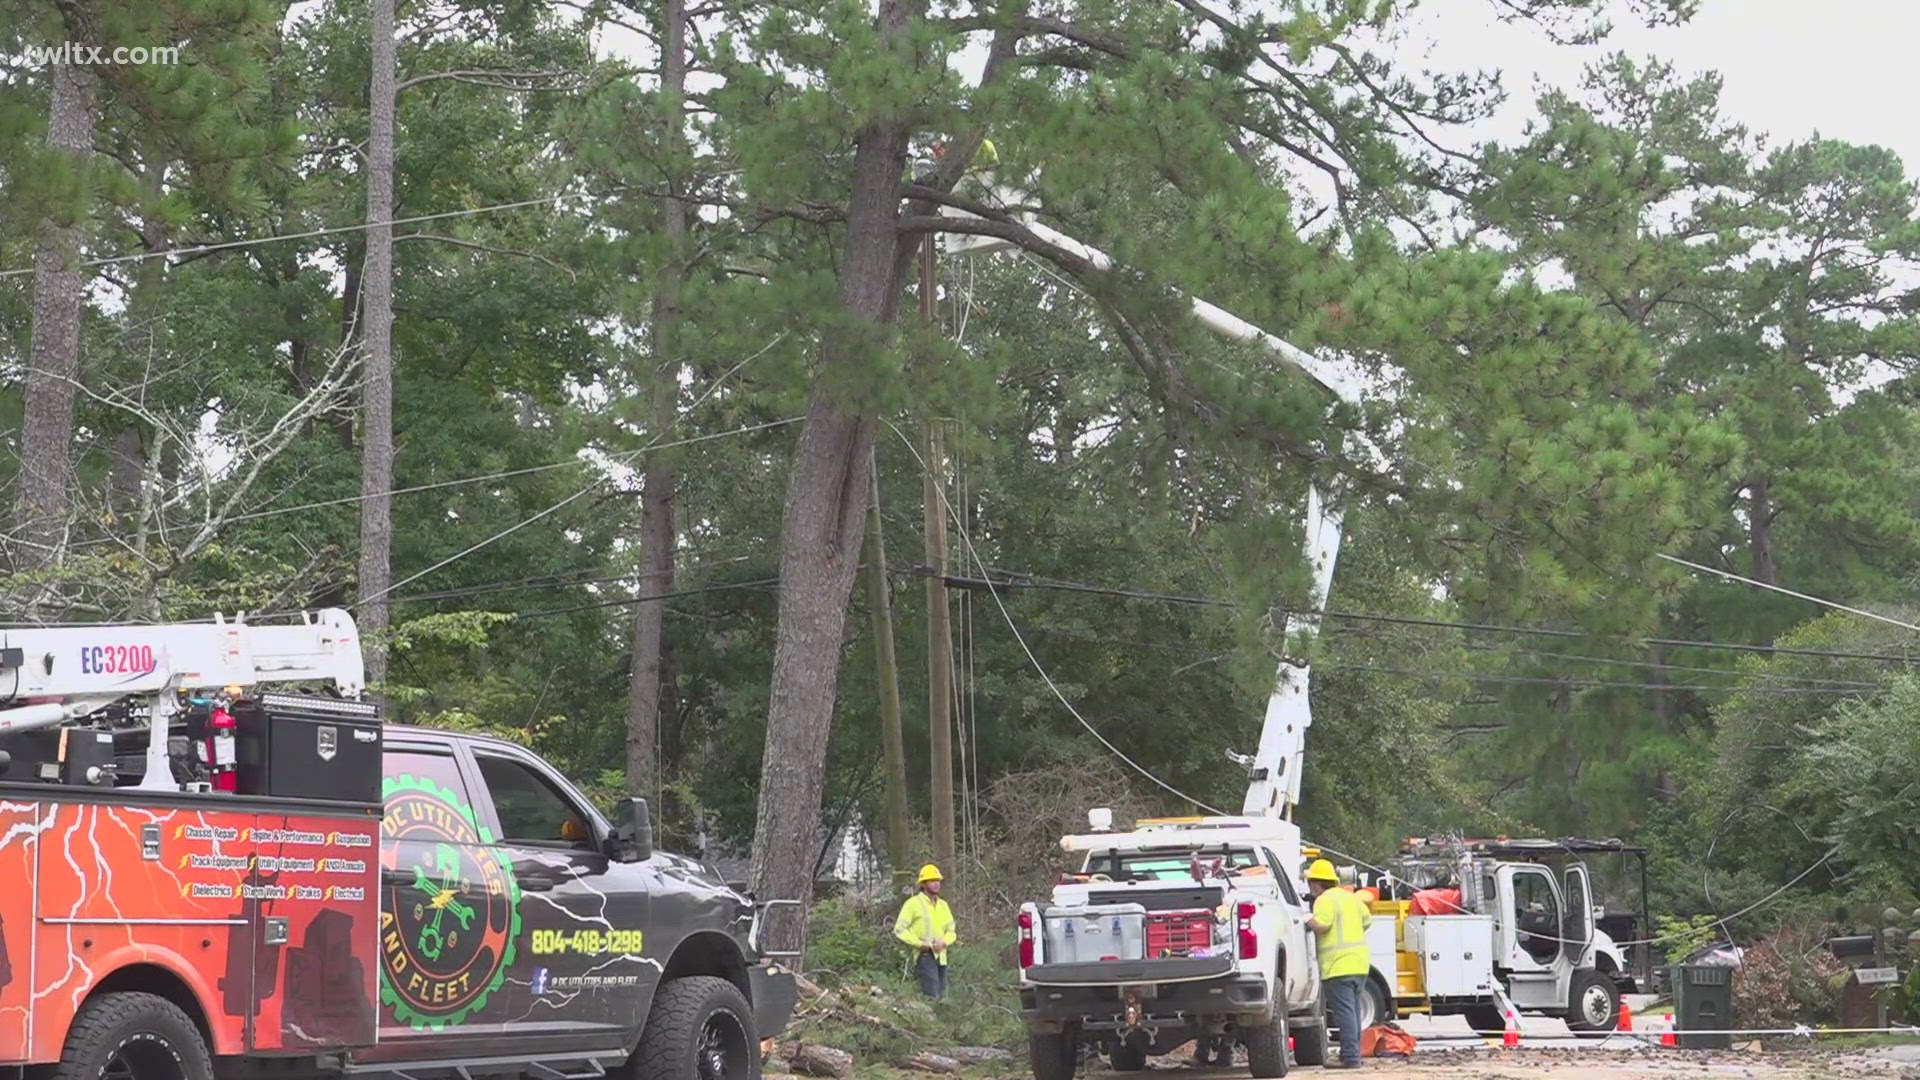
201 877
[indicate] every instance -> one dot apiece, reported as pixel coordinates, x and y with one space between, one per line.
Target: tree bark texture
45 499
887 670
376 388
821 530
1760 514
657 491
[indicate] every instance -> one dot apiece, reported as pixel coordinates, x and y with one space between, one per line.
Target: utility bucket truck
201 869
1462 923
1182 929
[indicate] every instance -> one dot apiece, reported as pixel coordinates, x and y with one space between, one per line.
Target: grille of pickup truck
1179 933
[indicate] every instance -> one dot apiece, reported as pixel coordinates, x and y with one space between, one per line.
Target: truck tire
1053 1056
1593 1004
1373 1005
1310 1043
135 1037
700 1028
1129 1055
1485 1019
1267 1045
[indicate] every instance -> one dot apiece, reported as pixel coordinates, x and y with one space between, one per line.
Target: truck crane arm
1274 769
50 675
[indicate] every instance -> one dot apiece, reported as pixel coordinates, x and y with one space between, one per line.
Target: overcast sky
1842 67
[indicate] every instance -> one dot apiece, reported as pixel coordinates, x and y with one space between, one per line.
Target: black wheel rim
143 1057
722 1053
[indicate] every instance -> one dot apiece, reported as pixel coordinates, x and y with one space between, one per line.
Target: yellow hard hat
1322 870
928 873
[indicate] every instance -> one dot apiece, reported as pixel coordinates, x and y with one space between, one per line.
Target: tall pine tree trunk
53 360
376 390
656 498
822 528
1760 514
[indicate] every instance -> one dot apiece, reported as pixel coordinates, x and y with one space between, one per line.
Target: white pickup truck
1187 929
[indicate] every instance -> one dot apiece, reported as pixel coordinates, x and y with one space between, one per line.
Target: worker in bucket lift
926 925
1339 924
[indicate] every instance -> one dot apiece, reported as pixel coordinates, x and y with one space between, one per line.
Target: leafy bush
850 941
875 1009
1788 979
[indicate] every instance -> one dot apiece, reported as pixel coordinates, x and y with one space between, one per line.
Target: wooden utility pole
644 712
891 739
939 631
376 386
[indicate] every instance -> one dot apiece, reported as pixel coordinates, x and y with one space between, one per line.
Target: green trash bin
1702 1003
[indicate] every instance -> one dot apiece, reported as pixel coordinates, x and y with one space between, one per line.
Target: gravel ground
1448 1049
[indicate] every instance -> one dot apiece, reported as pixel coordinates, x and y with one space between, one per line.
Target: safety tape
1595 1037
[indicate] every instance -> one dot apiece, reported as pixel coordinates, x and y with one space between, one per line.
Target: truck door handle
536 884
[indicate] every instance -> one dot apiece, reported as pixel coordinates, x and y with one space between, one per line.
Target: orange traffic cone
1666 1037
1511 1037
1626 1017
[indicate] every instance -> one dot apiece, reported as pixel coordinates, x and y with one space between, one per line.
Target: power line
596 482
1009 580
1534 631
1661 665
1588 684
465 480
1756 583
482 478
547 581
231 245
967 540
631 600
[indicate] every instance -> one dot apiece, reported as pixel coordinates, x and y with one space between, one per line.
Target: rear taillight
1026 940
1249 944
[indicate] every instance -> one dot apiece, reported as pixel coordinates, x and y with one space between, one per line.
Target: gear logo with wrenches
449 907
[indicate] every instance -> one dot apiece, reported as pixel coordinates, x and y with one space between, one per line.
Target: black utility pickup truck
613 956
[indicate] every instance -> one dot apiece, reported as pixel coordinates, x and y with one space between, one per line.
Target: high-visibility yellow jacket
923 919
1343 944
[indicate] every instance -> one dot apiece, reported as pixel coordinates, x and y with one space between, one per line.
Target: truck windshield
1164 865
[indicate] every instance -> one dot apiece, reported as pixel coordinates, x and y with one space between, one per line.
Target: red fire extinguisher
220 757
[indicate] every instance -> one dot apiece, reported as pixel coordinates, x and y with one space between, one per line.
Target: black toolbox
295 746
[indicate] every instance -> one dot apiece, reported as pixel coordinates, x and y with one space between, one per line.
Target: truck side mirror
633 839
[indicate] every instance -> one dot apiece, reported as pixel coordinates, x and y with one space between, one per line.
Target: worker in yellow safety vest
926 925
1339 924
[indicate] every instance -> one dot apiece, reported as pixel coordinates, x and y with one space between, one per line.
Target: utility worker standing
926 925
1339 924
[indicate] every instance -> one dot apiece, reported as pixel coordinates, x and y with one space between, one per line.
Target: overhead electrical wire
1584 684
1661 665
1808 597
967 541
231 245
1016 581
462 481
652 444
629 601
